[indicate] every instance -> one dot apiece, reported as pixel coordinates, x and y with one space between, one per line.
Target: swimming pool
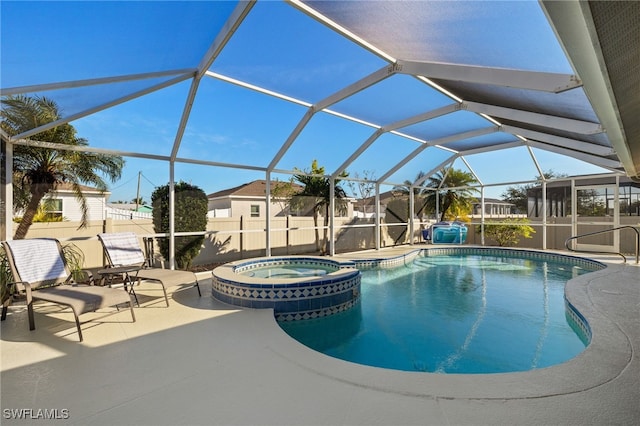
458 312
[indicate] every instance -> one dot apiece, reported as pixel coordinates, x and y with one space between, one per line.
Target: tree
519 195
420 194
139 200
509 232
453 203
43 213
39 171
316 194
590 203
191 207
363 188
282 192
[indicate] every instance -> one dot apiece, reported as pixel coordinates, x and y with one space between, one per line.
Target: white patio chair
123 250
40 270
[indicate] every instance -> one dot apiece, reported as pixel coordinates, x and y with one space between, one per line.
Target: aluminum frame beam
589 158
188 72
473 172
356 87
496 147
402 162
338 96
551 121
466 135
391 127
102 107
255 88
435 169
529 80
560 141
440 141
575 29
62 147
292 137
231 25
536 163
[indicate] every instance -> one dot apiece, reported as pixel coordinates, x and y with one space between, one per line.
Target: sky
277 48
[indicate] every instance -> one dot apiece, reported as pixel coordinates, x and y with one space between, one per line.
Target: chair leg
32 320
197 285
131 283
78 325
135 296
11 290
166 298
5 307
133 316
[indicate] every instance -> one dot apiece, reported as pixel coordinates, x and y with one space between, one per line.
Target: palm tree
452 202
39 171
420 194
316 194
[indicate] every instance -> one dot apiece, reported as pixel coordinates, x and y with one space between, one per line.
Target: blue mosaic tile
578 322
316 313
312 298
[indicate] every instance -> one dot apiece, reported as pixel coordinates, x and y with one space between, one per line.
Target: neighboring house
245 200
62 203
494 208
366 207
596 196
248 200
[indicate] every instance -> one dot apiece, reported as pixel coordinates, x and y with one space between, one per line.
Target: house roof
67 187
495 201
257 188
596 180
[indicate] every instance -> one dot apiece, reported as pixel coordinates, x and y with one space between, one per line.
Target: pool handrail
575 237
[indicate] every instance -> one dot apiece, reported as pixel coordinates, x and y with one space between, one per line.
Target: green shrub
75 262
190 216
509 232
5 276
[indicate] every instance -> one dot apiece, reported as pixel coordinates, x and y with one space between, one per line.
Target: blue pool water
454 314
289 271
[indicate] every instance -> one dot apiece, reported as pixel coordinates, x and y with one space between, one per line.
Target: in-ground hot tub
295 287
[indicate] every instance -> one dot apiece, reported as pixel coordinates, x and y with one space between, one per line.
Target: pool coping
609 343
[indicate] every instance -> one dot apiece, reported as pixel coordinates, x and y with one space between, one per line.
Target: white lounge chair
40 270
123 250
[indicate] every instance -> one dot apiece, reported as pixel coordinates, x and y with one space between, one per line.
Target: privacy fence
229 239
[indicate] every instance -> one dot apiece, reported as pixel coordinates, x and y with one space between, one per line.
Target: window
255 210
52 208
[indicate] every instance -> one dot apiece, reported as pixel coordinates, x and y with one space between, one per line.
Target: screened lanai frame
561 112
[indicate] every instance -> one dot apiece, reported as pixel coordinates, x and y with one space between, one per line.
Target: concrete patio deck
200 362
